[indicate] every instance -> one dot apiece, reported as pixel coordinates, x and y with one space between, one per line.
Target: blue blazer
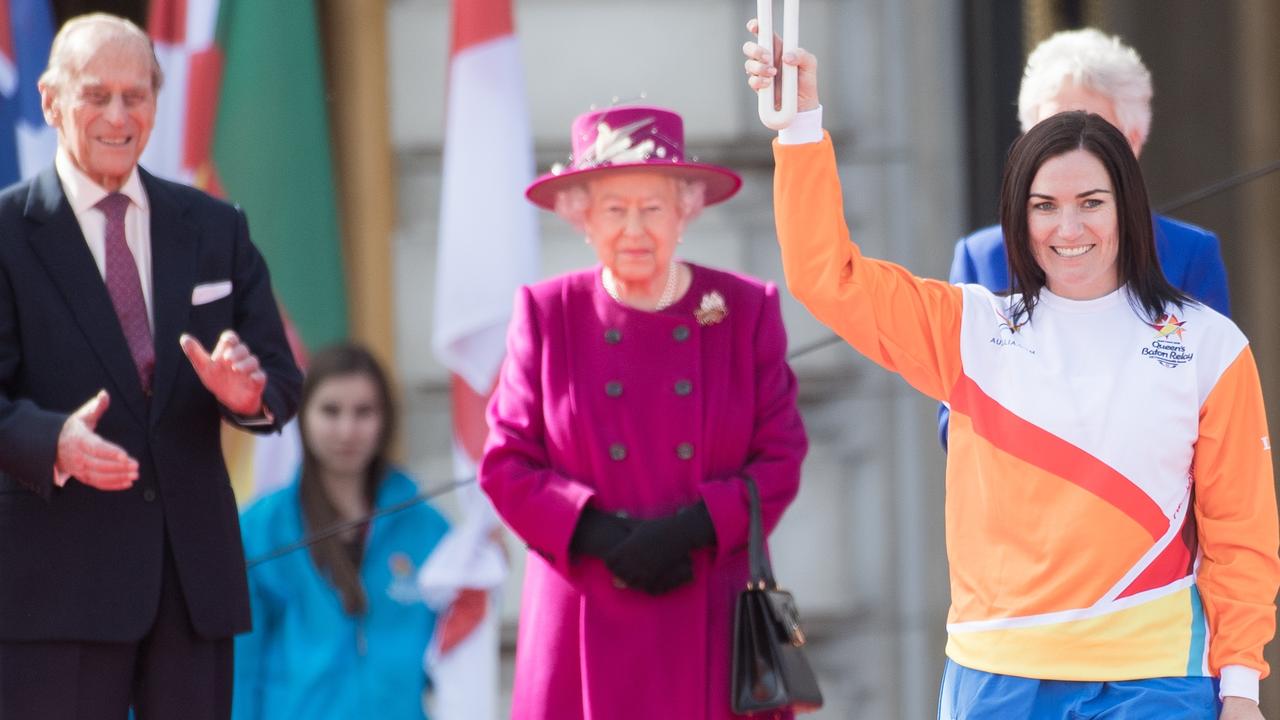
77 563
1188 254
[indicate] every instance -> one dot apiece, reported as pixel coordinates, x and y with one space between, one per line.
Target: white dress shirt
83 194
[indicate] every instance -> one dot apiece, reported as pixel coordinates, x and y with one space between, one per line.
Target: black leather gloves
655 556
598 533
651 556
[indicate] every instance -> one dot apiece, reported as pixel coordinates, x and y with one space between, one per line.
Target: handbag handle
761 570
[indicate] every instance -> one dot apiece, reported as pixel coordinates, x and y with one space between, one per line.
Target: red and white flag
181 144
488 243
488 247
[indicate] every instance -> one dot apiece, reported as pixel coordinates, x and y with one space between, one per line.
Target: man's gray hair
573 201
1094 61
65 58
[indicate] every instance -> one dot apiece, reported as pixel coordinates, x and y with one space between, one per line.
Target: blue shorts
975 695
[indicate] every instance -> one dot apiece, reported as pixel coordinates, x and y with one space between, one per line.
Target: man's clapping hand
84 455
231 372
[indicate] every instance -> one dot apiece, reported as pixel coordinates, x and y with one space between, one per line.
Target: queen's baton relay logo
1168 347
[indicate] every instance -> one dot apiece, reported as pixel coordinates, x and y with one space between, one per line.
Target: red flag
488 243
488 247
181 144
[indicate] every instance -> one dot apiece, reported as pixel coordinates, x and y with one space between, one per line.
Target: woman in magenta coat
635 398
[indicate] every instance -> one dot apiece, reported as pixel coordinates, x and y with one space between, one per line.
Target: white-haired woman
637 397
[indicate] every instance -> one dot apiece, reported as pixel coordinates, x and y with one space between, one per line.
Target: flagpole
356 42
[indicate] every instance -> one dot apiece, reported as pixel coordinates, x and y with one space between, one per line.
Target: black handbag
770 671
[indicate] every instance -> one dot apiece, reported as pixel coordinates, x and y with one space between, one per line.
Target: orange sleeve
908 325
1235 506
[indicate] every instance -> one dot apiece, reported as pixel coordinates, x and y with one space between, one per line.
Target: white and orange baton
775 117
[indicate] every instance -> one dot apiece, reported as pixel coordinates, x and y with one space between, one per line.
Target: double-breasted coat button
684 450
149 495
613 388
613 336
618 451
683 387
680 333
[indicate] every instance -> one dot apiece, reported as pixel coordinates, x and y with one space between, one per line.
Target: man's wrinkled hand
231 372
84 455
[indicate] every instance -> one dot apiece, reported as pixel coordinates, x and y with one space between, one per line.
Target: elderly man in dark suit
122 578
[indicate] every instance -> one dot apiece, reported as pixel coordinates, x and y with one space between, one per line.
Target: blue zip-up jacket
306 658
1189 256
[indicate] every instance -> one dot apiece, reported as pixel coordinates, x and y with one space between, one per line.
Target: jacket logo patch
404 585
1007 334
1168 347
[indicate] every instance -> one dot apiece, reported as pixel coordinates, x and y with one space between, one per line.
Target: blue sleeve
433 528
428 523
252 648
944 425
963 270
435 525
1206 278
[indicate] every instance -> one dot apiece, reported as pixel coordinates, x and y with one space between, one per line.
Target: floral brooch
712 309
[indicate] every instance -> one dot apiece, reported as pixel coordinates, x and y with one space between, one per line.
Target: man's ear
1136 141
52 115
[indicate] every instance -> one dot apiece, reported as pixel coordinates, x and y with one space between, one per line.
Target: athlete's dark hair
1137 264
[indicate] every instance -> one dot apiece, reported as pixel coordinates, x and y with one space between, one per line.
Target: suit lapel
61 247
174 252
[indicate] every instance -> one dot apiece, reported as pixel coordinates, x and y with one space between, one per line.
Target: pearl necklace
668 291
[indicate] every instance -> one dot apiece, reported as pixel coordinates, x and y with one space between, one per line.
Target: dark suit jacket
81 564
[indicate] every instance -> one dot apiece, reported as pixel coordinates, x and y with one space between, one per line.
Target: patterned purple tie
126 290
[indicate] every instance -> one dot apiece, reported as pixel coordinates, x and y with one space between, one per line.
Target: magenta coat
638 412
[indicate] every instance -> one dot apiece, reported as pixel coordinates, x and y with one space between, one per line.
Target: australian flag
27 144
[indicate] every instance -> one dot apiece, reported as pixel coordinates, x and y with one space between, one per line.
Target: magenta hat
629 137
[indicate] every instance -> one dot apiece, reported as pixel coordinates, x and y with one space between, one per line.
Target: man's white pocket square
208 292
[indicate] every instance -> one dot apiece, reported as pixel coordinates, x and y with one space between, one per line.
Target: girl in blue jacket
339 630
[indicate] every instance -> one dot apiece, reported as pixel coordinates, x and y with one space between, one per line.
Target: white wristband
1239 681
805 128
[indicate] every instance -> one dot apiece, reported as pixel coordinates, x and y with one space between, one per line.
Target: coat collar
84 194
